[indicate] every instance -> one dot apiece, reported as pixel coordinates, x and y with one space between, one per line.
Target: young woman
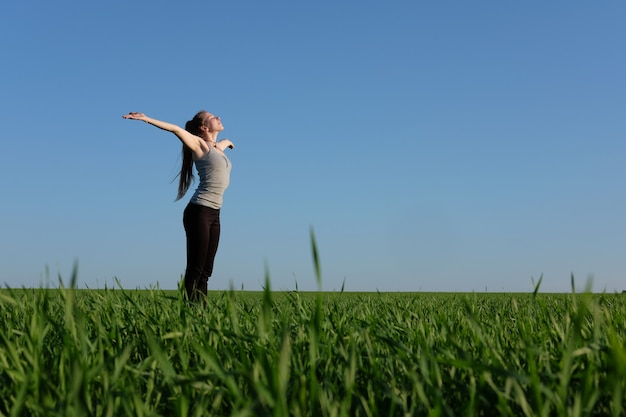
202 215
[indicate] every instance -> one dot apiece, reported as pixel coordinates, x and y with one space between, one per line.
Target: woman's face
213 122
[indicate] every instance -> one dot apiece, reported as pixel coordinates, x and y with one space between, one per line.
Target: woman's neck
210 137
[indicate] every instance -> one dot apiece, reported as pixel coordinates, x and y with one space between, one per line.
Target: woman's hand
225 143
133 115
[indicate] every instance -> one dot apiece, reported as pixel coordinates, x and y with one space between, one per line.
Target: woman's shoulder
206 151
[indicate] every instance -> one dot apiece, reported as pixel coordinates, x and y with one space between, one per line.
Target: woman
202 215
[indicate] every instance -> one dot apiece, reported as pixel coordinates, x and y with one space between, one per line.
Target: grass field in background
69 352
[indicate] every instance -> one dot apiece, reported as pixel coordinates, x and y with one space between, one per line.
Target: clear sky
431 145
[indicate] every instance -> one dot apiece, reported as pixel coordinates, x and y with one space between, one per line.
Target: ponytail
186 170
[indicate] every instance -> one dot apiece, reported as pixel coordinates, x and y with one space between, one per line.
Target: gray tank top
214 172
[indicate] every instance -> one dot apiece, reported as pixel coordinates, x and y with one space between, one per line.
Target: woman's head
204 123
213 123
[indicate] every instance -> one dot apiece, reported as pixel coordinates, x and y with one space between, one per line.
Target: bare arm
225 143
196 144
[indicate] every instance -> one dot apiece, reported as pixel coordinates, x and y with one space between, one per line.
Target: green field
70 352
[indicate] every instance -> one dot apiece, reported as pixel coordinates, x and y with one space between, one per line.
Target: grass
71 352
115 352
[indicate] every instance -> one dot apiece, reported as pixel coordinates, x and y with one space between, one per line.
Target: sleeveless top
214 172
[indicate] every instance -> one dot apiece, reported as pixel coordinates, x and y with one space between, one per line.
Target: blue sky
431 146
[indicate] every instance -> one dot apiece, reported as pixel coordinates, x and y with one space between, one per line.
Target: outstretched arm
196 144
225 143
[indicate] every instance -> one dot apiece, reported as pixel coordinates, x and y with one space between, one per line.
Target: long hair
186 170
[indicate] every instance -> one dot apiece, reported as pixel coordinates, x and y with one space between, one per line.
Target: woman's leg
202 240
214 240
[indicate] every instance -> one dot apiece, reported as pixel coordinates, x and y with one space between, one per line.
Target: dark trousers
202 227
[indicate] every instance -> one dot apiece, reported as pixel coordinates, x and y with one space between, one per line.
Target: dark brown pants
202 227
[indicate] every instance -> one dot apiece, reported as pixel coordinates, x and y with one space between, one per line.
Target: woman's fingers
133 115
